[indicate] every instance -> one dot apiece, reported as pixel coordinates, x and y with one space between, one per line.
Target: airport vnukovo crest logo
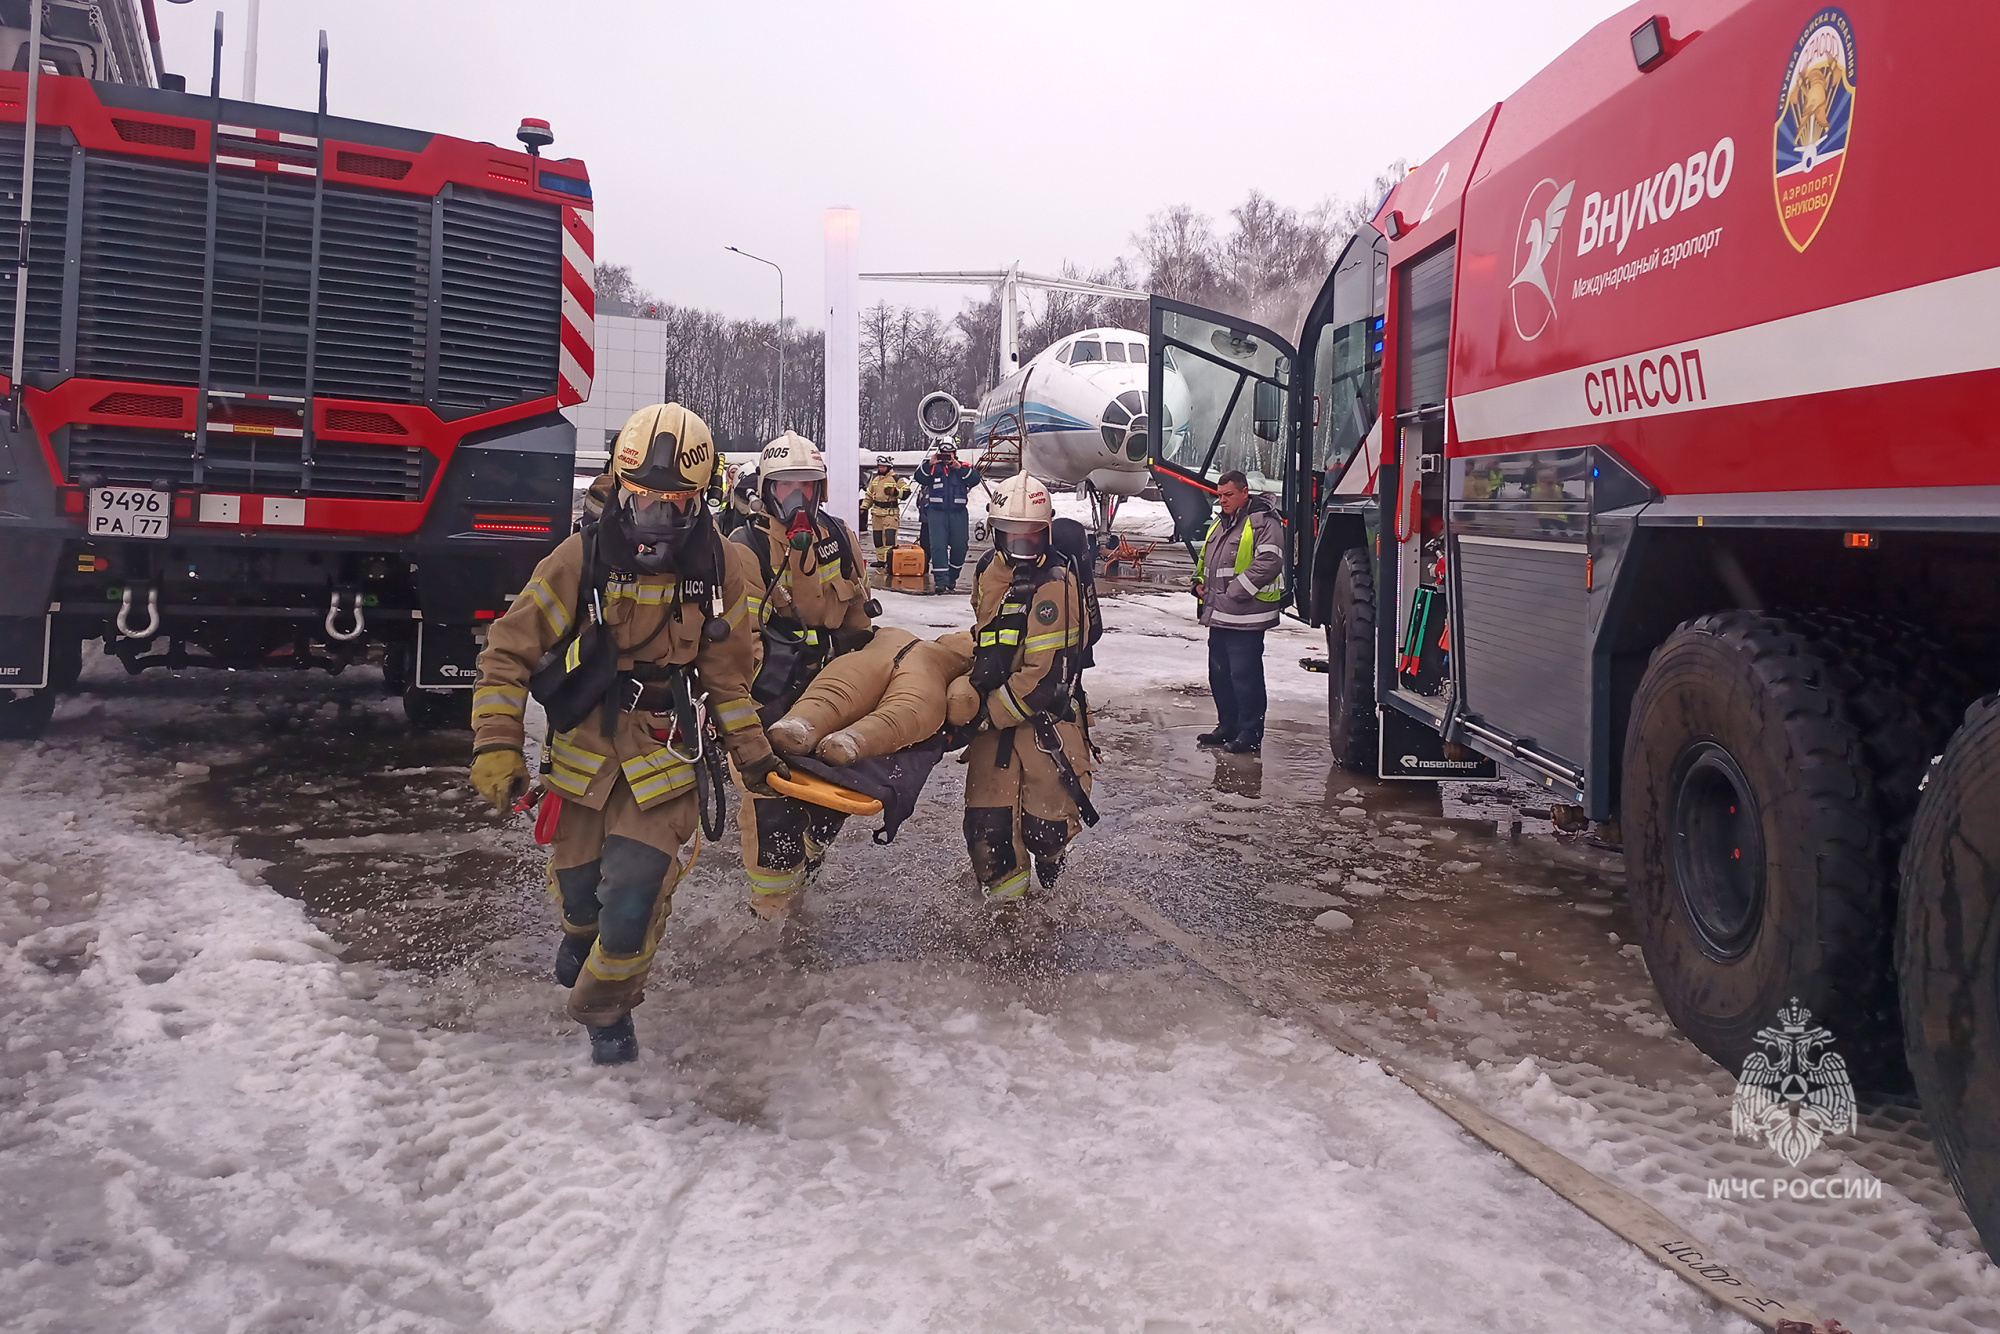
1796 1091
1815 118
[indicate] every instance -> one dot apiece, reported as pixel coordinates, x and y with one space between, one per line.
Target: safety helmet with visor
1019 517
793 476
663 460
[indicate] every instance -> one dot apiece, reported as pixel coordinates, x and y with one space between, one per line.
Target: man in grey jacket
1241 586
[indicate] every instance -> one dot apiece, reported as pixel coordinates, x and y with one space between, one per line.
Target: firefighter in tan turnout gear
621 633
1027 774
812 604
885 496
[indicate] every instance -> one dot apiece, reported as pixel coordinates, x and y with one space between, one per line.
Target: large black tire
437 710
1948 960
1350 664
1765 768
22 717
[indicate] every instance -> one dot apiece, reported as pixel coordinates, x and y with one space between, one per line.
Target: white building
631 372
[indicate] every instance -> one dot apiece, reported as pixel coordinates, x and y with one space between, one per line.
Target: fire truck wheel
1350 664
437 710
1753 841
1948 956
23 716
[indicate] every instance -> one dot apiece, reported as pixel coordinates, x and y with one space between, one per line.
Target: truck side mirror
1267 410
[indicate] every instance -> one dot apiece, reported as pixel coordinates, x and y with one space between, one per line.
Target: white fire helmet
792 476
1019 516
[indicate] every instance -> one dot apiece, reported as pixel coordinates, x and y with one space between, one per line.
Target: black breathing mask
650 531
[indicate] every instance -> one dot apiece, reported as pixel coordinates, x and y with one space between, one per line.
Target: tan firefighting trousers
1018 811
784 839
880 699
612 874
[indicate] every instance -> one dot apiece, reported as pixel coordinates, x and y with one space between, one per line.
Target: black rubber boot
1048 872
1217 738
615 1043
1243 745
571 951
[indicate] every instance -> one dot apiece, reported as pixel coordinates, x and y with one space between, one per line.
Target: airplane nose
1125 425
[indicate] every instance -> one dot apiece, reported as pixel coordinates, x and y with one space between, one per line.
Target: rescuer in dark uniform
947 484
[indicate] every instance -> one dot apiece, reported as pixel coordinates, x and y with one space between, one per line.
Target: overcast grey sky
968 135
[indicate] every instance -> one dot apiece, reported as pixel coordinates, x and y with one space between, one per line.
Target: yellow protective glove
500 776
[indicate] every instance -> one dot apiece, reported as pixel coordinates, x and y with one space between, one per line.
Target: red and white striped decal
238 136
576 360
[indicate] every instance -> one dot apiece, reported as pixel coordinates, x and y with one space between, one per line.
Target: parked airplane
1075 415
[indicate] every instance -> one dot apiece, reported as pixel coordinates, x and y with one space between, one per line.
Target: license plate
128 511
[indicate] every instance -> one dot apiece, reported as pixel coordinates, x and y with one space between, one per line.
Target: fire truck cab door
1221 387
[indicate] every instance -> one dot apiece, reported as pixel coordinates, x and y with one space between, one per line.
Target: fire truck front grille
130 455
263 283
502 306
374 296
263 464
45 247
139 297
371 472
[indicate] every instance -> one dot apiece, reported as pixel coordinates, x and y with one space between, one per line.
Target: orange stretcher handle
810 787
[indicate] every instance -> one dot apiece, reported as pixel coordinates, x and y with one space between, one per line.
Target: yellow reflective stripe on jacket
646 595
1053 639
500 699
734 714
571 767
546 601
988 638
1004 709
657 773
755 605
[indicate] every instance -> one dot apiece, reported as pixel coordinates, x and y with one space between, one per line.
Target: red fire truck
291 389
1642 451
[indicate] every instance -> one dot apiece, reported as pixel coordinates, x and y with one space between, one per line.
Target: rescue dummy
887 697
1027 772
812 606
620 630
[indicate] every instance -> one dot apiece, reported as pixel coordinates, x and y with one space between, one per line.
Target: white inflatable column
842 444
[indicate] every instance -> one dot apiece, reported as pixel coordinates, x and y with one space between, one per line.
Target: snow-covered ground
355 1104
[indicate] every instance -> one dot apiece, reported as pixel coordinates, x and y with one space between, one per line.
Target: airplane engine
940 415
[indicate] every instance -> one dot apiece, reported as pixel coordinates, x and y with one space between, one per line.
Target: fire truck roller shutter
1522 525
1945 945
1771 768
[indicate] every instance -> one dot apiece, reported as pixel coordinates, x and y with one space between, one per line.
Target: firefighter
1027 772
947 484
622 627
812 604
886 494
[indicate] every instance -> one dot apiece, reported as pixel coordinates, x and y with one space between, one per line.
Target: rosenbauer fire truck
1645 450
291 390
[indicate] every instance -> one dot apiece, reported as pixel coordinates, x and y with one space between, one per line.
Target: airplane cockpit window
1062 354
1134 401
1139 352
1114 351
1083 352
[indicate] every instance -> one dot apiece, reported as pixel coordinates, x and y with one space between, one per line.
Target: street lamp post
781 327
